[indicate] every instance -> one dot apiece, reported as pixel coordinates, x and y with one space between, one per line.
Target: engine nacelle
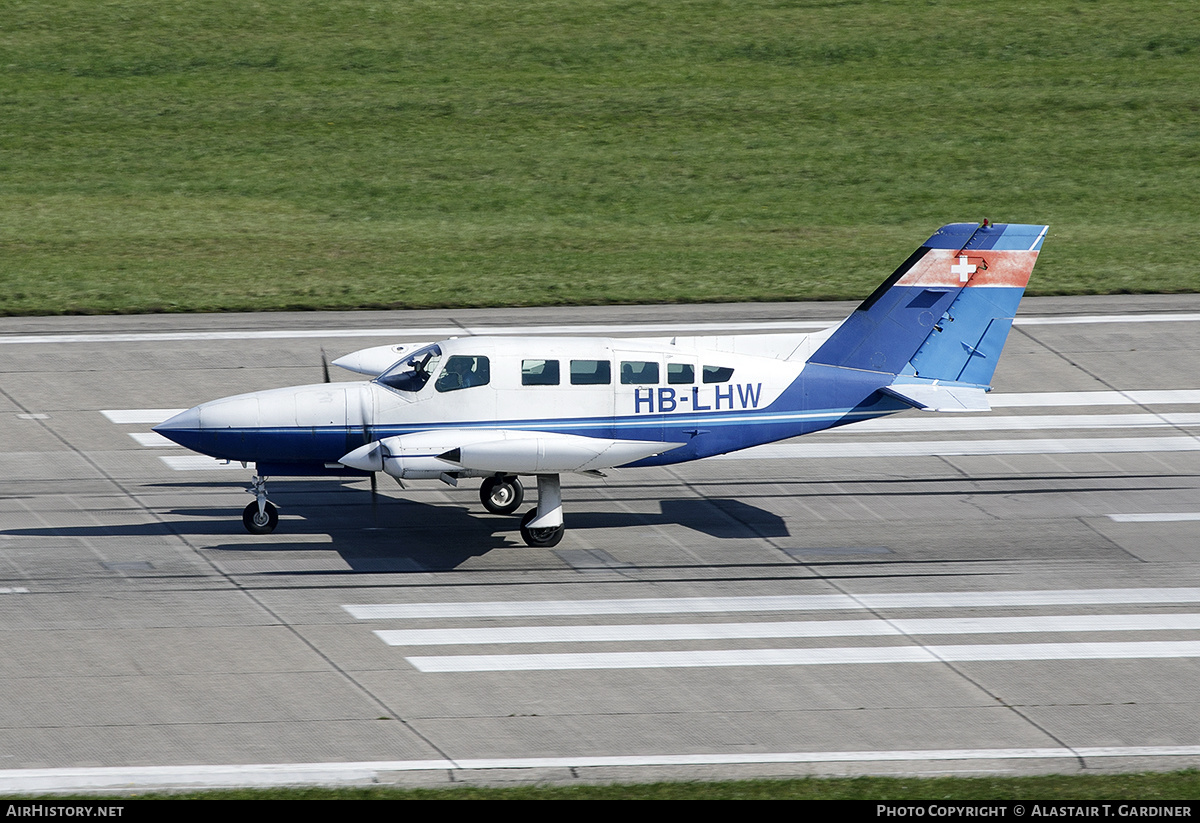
481 451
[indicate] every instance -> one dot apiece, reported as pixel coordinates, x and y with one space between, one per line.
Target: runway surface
1009 593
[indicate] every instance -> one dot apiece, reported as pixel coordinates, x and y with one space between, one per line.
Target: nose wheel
260 522
261 516
502 495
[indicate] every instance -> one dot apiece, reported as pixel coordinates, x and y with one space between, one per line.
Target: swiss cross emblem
963 269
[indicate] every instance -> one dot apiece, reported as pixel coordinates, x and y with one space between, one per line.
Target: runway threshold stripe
1029 422
1163 517
826 628
966 448
197 462
805 657
152 440
152 416
1094 398
812 602
376 771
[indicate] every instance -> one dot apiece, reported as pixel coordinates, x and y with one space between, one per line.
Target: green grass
220 155
1128 788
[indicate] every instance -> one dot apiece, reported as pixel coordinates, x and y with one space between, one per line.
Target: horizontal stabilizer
941 398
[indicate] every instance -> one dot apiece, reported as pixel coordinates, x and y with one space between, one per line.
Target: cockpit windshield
412 373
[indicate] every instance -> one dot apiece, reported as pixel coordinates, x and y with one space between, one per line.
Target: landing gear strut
502 495
543 527
261 516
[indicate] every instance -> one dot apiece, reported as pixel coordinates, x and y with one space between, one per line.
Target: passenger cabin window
717 374
681 373
463 372
638 372
591 372
539 372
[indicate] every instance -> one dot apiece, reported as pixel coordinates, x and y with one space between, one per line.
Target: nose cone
303 424
218 428
183 428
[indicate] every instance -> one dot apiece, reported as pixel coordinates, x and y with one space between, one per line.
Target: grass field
219 155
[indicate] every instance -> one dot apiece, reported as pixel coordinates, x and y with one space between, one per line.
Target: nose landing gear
261 516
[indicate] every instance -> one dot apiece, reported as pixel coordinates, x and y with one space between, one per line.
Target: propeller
324 365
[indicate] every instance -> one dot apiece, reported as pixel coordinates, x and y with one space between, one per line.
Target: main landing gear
543 527
502 495
261 516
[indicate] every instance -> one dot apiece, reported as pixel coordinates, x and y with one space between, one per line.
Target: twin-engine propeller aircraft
500 408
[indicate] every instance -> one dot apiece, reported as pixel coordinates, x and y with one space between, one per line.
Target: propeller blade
324 365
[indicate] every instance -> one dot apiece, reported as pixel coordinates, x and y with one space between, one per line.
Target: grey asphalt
141 626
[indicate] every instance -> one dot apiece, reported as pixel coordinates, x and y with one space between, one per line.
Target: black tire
502 495
540 538
260 524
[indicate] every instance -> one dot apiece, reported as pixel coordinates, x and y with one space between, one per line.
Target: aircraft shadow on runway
397 535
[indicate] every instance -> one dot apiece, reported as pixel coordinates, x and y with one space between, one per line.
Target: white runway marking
812 602
806 657
152 416
821 628
152 440
960 448
196 462
375 772
1094 398
441 332
1166 317
932 424
1163 517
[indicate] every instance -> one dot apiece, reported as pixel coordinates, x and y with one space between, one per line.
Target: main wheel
501 495
263 522
539 538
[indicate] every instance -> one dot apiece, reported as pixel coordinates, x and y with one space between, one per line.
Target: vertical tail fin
945 313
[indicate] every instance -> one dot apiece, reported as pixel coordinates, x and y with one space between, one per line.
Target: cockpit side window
412 373
464 371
